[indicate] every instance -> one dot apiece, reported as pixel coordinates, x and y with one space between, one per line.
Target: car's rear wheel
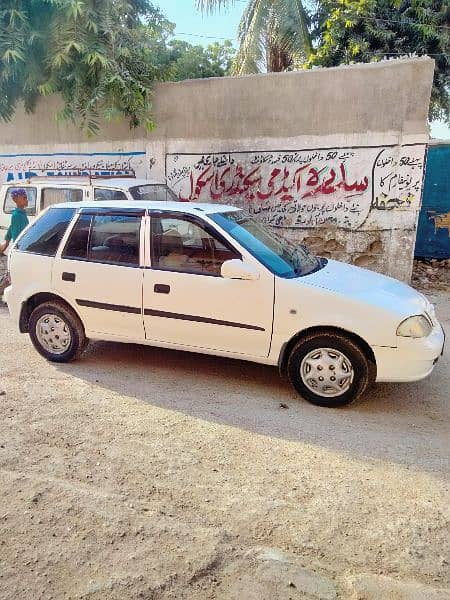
329 369
57 332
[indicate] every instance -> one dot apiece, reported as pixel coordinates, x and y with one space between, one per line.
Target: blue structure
433 230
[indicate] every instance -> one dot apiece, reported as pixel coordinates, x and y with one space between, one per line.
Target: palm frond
209 6
273 35
250 57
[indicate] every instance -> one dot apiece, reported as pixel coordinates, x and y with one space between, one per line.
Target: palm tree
273 35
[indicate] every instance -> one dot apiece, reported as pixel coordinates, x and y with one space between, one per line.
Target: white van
43 192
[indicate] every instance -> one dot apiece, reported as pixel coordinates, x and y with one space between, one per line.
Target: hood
368 287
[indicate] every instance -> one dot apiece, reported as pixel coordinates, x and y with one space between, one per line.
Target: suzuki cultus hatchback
209 278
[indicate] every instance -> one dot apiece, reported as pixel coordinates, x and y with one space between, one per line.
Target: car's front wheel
56 332
329 369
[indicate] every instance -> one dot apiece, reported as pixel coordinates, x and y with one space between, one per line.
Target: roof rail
131 175
76 178
78 172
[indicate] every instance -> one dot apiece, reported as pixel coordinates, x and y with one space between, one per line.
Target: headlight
415 327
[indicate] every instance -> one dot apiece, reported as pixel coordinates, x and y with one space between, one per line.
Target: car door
186 300
99 272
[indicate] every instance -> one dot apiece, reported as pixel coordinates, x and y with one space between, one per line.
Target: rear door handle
68 276
161 288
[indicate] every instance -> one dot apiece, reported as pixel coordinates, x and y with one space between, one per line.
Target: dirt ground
145 473
431 275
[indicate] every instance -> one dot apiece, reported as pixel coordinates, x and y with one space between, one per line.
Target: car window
108 194
46 233
50 196
112 239
281 256
9 205
180 244
76 246
154 191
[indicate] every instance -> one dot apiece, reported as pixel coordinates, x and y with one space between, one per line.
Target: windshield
280 256
155 192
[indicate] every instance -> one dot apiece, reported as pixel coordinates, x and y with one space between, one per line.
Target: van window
109 194
46 233
154 191
50 196
9 204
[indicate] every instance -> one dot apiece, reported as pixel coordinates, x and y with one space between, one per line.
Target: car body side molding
104 306
171 315
168 315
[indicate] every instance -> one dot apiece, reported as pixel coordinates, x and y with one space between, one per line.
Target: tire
336 356
56 332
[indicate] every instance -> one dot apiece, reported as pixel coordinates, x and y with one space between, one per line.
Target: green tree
350 31
273 35
187 61
101 57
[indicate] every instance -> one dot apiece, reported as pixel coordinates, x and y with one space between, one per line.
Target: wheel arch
321 329
35 300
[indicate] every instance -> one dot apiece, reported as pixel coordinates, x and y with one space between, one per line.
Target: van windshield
280 256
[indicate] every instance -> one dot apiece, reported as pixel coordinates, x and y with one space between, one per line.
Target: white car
209 278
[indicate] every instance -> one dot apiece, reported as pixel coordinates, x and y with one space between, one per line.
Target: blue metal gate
433 230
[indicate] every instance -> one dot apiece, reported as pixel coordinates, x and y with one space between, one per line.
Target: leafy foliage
348 31
98 55
273 35
187 61
102 57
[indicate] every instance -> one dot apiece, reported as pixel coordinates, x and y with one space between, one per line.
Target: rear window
46 233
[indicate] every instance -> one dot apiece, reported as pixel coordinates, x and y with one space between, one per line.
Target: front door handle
161 288
68 276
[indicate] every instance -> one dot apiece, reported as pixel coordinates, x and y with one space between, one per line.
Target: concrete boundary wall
334 157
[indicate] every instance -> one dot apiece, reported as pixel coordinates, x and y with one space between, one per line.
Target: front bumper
412 359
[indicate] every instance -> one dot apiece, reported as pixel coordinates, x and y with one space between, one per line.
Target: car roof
105 182
184 207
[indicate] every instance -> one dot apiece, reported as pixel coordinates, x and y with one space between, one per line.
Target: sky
440 130
198 28
220 25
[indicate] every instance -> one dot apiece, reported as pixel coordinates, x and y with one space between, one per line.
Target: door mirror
236 269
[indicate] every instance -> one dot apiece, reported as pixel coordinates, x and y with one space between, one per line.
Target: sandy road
146 473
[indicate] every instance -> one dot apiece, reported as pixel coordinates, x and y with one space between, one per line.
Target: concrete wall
331 156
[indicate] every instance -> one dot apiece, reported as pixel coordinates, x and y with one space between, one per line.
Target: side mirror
236 269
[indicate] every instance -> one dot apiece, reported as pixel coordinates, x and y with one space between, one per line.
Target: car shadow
399 423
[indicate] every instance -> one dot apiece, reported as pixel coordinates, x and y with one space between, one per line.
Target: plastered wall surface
332 157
